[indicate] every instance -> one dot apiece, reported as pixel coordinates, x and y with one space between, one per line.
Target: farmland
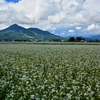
49 72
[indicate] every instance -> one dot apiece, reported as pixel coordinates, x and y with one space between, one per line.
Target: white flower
69 95
32 96
55 97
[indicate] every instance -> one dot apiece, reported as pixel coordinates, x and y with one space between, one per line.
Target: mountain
16 32
96 36
93 38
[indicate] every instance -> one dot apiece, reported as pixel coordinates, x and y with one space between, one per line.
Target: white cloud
37 11
71 31
78 28
93 27
2 1
53 28
62 33
57 18
46 14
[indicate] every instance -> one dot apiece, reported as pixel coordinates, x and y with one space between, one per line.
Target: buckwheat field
49 72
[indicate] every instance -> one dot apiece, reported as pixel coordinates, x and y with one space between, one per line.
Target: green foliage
17 32
49 72
77 39
71 39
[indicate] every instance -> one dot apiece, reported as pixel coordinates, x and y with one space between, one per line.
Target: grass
49 72
54 43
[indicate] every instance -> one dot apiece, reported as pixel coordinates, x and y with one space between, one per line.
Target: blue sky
60 17
14 1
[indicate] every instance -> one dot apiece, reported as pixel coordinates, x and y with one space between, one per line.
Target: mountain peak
15 27
15 31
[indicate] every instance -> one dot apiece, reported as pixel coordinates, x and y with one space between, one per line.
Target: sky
60 17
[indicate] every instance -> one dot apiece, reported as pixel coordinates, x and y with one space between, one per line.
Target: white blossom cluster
49 72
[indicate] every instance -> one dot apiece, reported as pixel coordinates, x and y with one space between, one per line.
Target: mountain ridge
15 31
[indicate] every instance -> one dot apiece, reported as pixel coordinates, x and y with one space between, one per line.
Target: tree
71 39
79 39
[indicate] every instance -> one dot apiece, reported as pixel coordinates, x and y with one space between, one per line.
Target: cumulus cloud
54 11
62 33
71 31
93 27
2 1
57 18
6 15
46 14
77 8
78 28
95 18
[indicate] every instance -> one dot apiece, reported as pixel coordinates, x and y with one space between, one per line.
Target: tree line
77 39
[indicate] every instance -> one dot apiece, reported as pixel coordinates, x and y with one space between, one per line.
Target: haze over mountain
15 32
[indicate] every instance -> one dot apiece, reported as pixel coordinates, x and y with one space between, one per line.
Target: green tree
71 39
79 39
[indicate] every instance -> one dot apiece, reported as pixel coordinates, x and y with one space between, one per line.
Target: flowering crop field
49 72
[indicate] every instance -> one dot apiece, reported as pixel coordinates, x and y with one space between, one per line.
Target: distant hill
93 38
15 32
96 36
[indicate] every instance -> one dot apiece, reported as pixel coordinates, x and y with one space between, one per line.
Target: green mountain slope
15 32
